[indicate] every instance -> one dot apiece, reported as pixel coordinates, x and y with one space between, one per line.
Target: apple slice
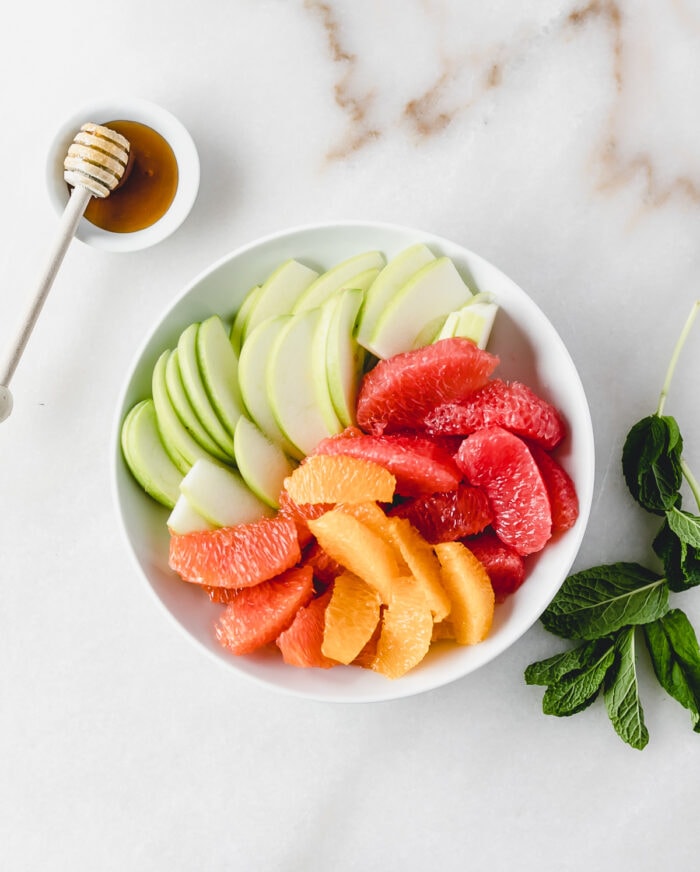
390 280
241 318
182 447
340 276
184 519
252 366
262 463
473 321
279 293
146 457
196 390
436 289
185 412
221 496
218 366
343 358
297 388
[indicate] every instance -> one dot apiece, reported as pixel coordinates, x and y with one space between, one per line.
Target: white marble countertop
560 140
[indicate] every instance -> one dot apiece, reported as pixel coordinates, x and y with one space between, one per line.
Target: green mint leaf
685 526
675 656
681 560
601 600
549 671
578 689
651 463
621 692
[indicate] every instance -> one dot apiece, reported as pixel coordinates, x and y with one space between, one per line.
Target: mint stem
692 481
674 357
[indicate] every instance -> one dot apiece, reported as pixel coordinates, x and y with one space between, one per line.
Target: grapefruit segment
503 465
444 517
255 616
469 587
511 405
323 478
561 490
407 628
301 642
504 565
399 392
351 618
238 556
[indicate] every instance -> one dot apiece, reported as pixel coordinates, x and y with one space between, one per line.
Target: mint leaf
621 693
651 463
675 656
601 600
685 526
549 671
680 558
578 689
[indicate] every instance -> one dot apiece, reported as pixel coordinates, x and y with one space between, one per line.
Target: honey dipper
97 162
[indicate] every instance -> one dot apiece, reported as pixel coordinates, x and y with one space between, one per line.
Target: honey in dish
149 186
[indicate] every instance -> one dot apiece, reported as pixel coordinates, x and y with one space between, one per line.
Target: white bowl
530 350
160 120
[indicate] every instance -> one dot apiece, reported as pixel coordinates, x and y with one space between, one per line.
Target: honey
149 186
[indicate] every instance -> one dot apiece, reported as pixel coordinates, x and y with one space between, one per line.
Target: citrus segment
420 465
407 627
503 465
444 517
443 630
255 616
324 568
423 565
561 490
351 618
301 642
504 565
358 548
468 585
237 556
325 478
511 405
300 515
399 392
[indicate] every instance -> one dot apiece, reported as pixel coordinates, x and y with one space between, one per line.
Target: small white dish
163 122
530 349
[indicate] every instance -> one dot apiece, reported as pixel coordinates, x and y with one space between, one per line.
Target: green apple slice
182 447
184 519
340 276
473 321
146 457
218 366
390 280
279 293
241 318
436 289
344 357
252 366
297 387
196 390
221 496
185 412
262 463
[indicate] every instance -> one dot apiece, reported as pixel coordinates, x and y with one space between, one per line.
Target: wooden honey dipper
97 162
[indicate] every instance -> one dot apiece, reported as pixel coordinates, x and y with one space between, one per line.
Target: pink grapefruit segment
301 642
444 517
561 489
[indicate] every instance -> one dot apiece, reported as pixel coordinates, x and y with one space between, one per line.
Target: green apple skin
279 293
146 457
344 357
218 366
388 283
262 464
435 290
337 278
221 496
297 388
241 318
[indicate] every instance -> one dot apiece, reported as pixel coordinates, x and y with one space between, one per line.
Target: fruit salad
345 472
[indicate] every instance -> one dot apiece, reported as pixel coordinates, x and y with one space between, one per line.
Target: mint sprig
604 605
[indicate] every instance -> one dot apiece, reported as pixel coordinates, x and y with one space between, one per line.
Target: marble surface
557 139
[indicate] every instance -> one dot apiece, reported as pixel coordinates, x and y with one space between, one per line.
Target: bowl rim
585 452
101 111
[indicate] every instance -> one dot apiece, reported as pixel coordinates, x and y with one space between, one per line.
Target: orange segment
422 563
351 618
337 478
359 549
407 628
468 585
